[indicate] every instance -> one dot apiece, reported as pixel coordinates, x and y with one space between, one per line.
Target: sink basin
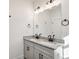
44 41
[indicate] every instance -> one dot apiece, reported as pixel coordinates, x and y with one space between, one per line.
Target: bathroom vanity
39 48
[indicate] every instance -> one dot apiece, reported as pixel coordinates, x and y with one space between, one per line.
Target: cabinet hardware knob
40 56
28 48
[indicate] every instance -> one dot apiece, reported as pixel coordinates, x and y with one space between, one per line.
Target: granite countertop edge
27 38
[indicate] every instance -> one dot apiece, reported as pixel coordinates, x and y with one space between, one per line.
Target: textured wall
21 15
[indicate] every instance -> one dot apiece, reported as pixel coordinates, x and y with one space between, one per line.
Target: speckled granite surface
43 41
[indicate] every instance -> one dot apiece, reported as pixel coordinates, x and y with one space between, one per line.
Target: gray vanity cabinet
28 51
36 51
41 55
41 52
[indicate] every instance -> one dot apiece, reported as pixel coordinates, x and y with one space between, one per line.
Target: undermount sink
44 41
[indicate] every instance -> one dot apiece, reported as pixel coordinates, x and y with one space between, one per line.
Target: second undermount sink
44 41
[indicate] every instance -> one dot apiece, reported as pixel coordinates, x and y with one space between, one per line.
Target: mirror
49 22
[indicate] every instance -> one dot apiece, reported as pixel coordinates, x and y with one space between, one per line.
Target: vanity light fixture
37 26
53 3
50 1
38 7
9 16
47 3
28 25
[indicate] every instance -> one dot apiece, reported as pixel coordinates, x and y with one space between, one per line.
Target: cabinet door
28 51
46 56
41 55
36 54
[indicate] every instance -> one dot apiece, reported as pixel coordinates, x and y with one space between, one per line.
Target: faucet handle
53 35
40 34
49 36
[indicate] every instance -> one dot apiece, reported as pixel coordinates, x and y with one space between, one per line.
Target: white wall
21 15
65 15
65 31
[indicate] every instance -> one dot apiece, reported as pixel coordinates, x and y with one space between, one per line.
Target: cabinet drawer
28 42
44 49
41 55
28 51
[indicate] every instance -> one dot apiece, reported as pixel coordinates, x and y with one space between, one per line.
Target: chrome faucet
51 38
38 35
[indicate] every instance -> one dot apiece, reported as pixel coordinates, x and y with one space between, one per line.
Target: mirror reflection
48 22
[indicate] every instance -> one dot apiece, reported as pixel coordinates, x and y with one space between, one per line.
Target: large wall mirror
48 22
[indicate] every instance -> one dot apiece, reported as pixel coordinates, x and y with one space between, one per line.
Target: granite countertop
44 42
